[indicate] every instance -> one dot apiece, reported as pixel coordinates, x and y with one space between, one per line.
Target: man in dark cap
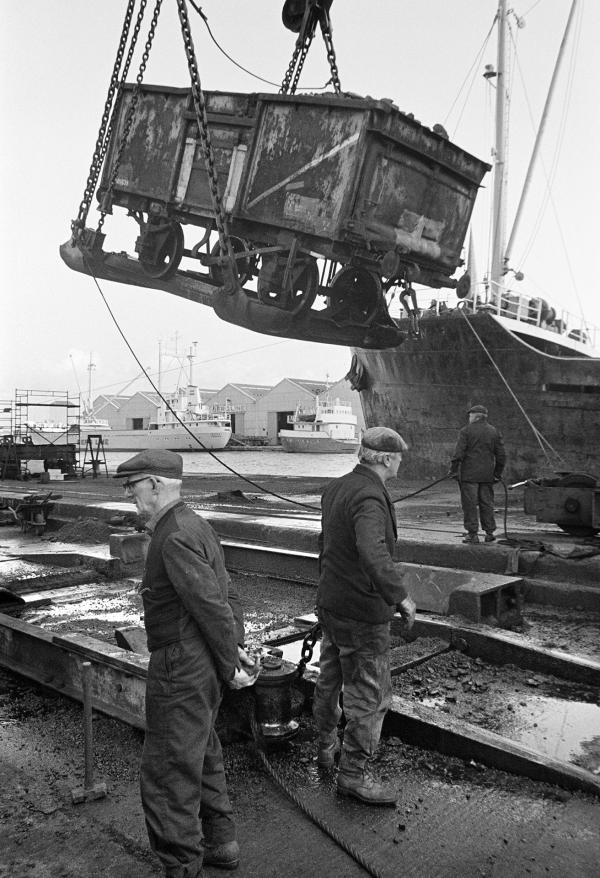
478 462
193 622
360 589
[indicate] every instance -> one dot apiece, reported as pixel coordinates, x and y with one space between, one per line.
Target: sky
427 56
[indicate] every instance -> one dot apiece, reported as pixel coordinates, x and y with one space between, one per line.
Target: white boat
183 424
329 428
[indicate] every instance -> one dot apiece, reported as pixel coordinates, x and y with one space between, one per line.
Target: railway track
54 659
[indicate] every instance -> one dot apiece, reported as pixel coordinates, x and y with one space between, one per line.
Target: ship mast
499 188
501 251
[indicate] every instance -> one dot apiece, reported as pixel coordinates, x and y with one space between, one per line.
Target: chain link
202 120
318 13
325 23
126 66
130 110
84 207
308 645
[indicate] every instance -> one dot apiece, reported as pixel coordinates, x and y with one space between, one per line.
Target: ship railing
228 408
537 312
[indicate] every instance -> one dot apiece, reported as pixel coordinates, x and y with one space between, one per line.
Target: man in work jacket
478 461
360 589
193 622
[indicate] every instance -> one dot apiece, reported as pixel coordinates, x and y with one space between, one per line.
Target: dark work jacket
187 591
479 452
358 578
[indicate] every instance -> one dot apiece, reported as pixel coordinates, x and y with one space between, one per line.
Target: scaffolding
26 436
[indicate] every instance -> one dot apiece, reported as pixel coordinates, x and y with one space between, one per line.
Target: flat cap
152 463
383 439
478 410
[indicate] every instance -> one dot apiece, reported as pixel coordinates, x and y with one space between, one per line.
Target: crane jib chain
131 108
314 12
202 120
88 193
107 138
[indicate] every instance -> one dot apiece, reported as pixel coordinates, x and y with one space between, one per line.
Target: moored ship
330 428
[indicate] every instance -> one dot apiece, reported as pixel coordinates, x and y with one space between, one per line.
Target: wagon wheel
162 249
301 290
245 267
354 296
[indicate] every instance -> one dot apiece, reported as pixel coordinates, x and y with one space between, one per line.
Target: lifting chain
298 58
308 645
100 148
126 66
327 32
315 11
130 111
202 120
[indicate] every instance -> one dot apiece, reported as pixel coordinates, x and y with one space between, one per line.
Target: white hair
371 457
170 484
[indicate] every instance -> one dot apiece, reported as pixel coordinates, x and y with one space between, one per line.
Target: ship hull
424 387
170 439
312 443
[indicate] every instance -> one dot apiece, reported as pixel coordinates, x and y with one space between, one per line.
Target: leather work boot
490 538
471 538
223 856
328 753
366 789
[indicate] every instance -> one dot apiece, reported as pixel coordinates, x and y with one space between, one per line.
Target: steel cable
275 775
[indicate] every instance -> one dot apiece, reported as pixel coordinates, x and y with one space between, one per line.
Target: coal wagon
329 196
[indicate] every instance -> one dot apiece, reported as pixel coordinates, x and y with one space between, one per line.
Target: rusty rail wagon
330 201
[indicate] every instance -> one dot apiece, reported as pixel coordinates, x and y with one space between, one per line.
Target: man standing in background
478 462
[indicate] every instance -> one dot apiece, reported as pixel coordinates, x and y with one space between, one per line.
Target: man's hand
407 610
246 662
243 678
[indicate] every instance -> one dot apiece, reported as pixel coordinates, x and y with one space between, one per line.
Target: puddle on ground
79 610
565 730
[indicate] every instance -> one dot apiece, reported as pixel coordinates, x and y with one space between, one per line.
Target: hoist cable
356 855
174 413
204 18
539 436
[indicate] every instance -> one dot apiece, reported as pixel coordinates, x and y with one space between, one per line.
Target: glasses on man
129 486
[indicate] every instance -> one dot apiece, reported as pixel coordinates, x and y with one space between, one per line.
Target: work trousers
182 779
477 499
355 659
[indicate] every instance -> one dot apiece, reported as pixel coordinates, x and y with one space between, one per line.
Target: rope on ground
275 775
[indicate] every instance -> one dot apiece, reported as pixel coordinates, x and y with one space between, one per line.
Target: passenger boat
329 428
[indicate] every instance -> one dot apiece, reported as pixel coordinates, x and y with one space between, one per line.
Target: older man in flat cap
360 589
195 633
478 462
